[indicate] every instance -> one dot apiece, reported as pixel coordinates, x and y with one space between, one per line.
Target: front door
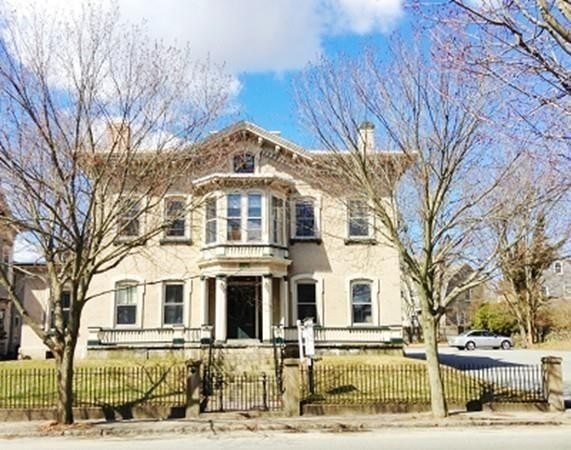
243 307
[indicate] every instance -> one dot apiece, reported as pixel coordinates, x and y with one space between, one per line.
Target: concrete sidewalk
223 423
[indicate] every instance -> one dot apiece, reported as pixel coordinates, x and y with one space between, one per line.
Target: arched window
306 291
244 162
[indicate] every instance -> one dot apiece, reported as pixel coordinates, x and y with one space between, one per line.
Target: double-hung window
358 218
173 306
306 300
244 209
361 302
210 220
278 220
305 223
129 218
126 303
175 217
234 217
65 302
254 223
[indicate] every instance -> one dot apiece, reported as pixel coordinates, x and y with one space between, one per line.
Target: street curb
214 427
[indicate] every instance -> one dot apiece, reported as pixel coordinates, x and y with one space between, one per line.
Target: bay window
234 217
254 223
210 220
278 220
244 209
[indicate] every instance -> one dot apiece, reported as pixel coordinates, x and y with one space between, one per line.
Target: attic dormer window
244 162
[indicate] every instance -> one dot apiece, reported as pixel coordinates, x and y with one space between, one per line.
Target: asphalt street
458 358
521 438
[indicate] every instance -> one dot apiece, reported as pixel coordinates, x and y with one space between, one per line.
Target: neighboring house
269 245
9 321
557 280
459 314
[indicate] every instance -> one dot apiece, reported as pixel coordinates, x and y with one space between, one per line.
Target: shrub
495 317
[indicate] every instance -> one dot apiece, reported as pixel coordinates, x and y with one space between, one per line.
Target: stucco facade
266 244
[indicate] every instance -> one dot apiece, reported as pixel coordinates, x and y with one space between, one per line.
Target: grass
344 382
32 384
349 379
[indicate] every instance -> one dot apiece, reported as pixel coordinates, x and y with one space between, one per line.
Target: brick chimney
366 138
119 135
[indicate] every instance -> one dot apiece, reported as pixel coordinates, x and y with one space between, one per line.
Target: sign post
306 338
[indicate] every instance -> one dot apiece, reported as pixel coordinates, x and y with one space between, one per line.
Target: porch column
267 307
204 320
284 302
221 307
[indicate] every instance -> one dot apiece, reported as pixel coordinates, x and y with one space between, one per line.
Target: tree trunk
437 399
64 368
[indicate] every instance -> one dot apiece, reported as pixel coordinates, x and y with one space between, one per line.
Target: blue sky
266 97
263 44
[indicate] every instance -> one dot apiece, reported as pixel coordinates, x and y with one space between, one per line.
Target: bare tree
437 121
531 234
98 123
531 36
526 45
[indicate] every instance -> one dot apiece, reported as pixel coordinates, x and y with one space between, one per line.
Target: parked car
470 340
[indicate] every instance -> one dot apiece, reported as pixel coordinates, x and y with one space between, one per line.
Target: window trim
319 292
187 217
369 217
139 219
215 219
252 151
375 303
139 299
316 217
173 282
283 240
558 268
244 197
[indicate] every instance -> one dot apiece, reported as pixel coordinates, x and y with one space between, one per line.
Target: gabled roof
263 134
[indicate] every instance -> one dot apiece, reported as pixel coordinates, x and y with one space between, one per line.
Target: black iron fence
409 384
117 387
98 386
223 392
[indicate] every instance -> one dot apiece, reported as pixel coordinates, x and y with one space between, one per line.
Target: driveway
479 357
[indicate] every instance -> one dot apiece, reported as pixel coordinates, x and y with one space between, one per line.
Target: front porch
182 337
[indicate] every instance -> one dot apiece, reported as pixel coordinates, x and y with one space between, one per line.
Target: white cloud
25 252
366 16
253 35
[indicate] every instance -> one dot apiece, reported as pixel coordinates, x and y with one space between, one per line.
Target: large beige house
267 245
